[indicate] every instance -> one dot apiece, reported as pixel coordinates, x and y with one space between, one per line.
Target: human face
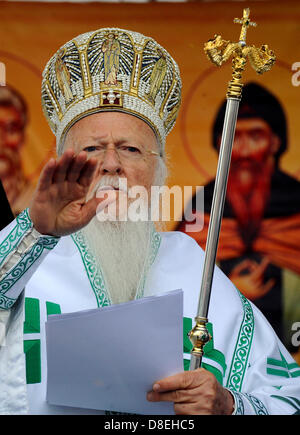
124 145
11 138
253 156
254 144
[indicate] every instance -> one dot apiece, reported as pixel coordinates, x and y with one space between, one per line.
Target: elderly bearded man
68 261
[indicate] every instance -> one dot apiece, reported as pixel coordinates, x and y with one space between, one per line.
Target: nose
242 145
111 163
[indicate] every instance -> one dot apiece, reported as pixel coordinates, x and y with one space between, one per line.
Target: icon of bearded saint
260 233
13 120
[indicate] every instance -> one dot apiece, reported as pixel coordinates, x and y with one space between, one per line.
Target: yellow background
31 32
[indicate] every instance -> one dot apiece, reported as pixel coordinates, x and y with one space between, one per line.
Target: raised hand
59 205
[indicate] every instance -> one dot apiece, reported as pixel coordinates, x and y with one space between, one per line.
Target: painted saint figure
259 239
13 121
111 49
63 77
158 74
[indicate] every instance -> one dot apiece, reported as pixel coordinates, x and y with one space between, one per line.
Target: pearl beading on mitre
83 72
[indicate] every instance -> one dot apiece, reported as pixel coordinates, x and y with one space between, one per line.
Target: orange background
31 32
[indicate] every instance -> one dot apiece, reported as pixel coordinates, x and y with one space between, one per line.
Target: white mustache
111 182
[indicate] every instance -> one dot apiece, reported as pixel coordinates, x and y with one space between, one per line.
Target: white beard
121 249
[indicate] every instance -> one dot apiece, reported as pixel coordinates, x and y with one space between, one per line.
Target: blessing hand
59 205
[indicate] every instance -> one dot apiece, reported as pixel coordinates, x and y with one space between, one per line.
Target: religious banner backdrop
260 233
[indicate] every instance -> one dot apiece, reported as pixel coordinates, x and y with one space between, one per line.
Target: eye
90 149
258 134
131 149
13 127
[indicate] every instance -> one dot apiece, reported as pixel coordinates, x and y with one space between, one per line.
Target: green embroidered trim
95 274
285 369
239 405
9 244
24 224
16 273
6 302
242 348
258 406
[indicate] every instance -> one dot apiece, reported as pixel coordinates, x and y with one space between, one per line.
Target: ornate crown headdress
111 70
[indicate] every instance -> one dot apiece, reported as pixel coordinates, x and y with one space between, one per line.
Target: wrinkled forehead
111 126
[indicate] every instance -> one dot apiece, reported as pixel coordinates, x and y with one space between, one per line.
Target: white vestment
60 275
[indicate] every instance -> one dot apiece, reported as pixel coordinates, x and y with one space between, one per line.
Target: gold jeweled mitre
111 70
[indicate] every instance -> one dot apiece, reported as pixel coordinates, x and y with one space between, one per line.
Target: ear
275 144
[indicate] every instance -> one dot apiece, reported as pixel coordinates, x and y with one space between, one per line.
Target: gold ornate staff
262 59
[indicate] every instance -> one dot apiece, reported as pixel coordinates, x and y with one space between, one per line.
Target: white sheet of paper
109 358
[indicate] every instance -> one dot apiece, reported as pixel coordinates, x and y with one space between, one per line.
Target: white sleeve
22 249
271 383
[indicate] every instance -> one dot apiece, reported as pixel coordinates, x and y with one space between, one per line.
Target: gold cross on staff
245 22
220 50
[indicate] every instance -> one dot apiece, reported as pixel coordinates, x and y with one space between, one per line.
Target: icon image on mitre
63 76
111 52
